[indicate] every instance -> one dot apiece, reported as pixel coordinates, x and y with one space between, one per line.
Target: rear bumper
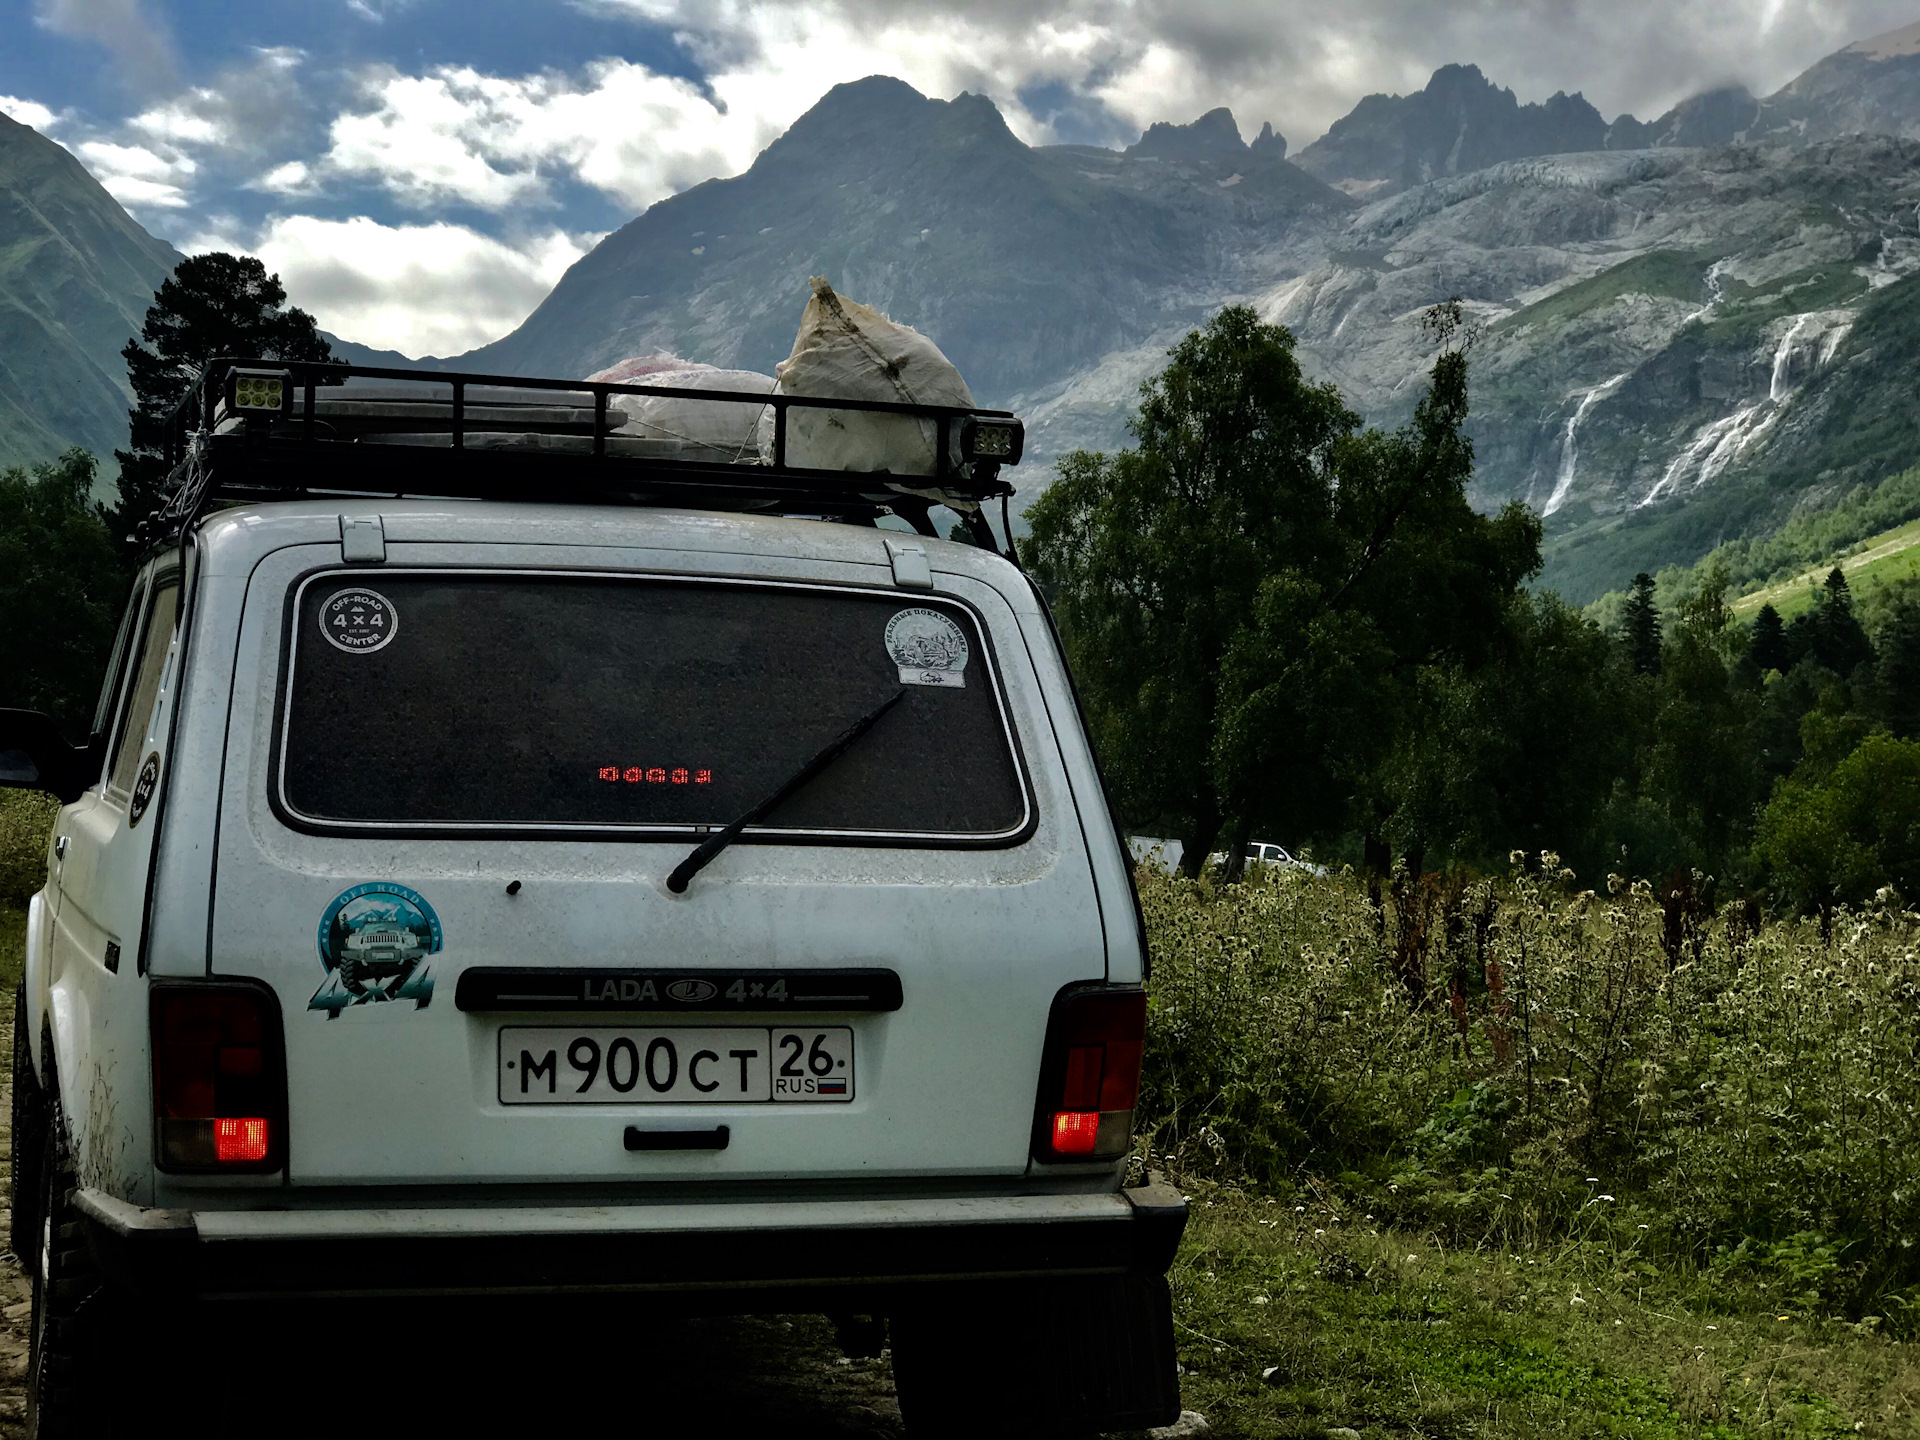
744 1256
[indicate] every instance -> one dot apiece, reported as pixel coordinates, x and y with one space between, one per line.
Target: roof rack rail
254 429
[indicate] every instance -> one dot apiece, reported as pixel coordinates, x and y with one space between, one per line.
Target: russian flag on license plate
833 1087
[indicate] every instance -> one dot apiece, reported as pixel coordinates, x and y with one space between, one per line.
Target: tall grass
25 819
1518 1063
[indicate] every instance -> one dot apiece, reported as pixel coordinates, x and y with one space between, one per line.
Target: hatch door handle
363 540
714 1139
60 847
911 568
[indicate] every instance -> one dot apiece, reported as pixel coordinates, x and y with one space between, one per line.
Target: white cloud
182 121
434 289
28 112
456 136
137 176
246 108
292 178
139 45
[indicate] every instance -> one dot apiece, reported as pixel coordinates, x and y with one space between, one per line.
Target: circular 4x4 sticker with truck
374 941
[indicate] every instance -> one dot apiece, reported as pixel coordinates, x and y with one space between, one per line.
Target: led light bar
989 439
259 392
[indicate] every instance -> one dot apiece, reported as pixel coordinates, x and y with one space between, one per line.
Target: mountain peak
1461 121
1269 143
882 115
1214 136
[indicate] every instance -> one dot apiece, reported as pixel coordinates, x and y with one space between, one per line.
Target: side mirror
34 756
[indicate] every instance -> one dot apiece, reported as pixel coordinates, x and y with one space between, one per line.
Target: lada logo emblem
691 992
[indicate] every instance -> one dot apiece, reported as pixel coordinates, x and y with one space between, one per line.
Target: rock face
76 278
1460 122
1871 88
1463 122
1676 346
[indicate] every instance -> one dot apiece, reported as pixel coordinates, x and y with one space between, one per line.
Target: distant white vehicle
1262 852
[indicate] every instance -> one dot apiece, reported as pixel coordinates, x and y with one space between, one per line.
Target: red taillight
1076 1132
239 1140
1090 1075
219 1083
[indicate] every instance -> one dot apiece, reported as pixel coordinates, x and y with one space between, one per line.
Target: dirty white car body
398 1139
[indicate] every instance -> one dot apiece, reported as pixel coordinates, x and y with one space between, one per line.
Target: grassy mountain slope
1872 533
76 277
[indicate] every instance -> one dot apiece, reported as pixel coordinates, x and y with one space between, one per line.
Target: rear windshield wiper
714 844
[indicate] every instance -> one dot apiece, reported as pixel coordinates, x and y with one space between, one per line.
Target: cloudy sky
420 172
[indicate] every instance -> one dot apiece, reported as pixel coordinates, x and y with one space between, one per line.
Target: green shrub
25 819
1519 1062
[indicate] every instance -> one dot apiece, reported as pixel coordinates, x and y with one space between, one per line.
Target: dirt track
379 1371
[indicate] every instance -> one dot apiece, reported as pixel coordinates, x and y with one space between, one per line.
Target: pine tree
1768 647
1898 668
1839 642
211 306
1640 627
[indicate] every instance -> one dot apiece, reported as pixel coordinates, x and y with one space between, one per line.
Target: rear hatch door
450 811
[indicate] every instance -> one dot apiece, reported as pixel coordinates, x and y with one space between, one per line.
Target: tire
29 1123
80 1324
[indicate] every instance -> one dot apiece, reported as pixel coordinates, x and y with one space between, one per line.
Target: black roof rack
252 429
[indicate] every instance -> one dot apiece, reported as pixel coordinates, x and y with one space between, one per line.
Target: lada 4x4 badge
375 941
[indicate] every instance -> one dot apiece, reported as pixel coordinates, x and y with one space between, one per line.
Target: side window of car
116 663
150 658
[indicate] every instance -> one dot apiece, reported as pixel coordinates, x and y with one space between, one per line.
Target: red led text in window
655 775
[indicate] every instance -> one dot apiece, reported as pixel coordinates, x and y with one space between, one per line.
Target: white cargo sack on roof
717 430
849 351
640 369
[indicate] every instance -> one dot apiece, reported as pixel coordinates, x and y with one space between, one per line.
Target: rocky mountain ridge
1463 122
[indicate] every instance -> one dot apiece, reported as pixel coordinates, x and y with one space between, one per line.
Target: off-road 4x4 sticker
358 621
374 941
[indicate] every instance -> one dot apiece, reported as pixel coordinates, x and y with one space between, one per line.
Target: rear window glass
474 701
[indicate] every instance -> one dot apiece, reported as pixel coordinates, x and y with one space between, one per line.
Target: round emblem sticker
358 621
928 647
143 788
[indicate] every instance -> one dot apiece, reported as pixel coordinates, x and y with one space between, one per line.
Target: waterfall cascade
1809 343
1569 453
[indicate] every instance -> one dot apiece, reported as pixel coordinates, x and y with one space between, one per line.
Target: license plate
628 1065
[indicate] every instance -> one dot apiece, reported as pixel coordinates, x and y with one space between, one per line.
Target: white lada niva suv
506 861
